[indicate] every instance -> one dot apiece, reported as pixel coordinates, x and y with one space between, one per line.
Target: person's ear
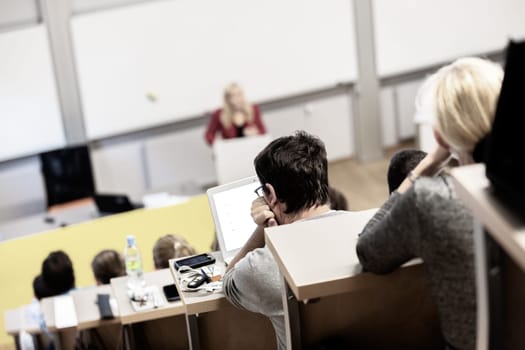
440 140
271 196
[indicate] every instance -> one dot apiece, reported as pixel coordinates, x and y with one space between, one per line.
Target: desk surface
13 321
335 262
48 310
503 225
128 315
200 302
59 216
86 307
20 319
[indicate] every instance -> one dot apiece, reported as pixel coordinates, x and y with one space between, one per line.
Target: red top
229 133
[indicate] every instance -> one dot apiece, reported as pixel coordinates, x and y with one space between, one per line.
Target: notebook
230 206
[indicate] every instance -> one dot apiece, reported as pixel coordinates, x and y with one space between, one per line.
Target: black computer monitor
67 174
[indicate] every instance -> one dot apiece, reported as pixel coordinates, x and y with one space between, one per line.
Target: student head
57 276
39 288
465 94
294 172
235 105
401 163
170 247
106 265
337 199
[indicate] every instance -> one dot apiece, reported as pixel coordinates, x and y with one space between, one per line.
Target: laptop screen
231 205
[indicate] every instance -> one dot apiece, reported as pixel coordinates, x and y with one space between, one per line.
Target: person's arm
213 127
430 166
255 241
263 217
390 237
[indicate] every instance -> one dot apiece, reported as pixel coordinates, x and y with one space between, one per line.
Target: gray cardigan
429 222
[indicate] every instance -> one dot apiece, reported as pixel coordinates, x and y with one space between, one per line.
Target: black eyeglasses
259 191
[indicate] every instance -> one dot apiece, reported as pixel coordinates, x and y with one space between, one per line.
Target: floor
364 184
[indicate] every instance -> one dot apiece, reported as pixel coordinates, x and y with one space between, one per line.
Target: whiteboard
414 34
153 63
30 118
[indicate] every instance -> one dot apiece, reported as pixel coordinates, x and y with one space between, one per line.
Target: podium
234 157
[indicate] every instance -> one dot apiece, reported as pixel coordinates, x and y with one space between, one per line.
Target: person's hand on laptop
262 215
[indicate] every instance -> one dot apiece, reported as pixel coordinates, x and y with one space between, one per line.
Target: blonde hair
465 96
227 110
169 247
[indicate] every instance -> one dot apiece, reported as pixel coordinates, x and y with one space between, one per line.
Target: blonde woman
423 217
237 118
169 247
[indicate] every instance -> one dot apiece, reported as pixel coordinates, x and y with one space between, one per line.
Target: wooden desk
128 315
500 261
108 332
64 337
20 319
318 260
214 323
88 315
13 321
159 328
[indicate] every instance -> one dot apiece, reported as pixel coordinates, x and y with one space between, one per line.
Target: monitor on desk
230 207
67 174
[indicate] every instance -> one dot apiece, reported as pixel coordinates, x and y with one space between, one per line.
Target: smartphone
195 261
171 292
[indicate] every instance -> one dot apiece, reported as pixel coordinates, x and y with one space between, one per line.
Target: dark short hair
108 264
337 199
401 163
57 273
40 290
297 168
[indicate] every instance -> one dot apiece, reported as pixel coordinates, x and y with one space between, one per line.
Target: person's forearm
431 165
255 241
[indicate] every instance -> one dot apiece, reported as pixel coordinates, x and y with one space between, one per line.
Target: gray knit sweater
429 222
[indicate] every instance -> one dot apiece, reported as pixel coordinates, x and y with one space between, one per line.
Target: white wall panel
181 161
388 117
406 108
119 169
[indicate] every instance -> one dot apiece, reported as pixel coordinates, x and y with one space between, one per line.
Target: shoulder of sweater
432 189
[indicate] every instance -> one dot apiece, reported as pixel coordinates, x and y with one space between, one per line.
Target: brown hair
170 247
108 264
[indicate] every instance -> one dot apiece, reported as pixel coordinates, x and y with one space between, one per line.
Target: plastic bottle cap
131 240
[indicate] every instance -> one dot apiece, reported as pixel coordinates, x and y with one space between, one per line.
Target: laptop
114 203
504 157
230 206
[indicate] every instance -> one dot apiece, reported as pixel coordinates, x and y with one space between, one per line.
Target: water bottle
133 264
